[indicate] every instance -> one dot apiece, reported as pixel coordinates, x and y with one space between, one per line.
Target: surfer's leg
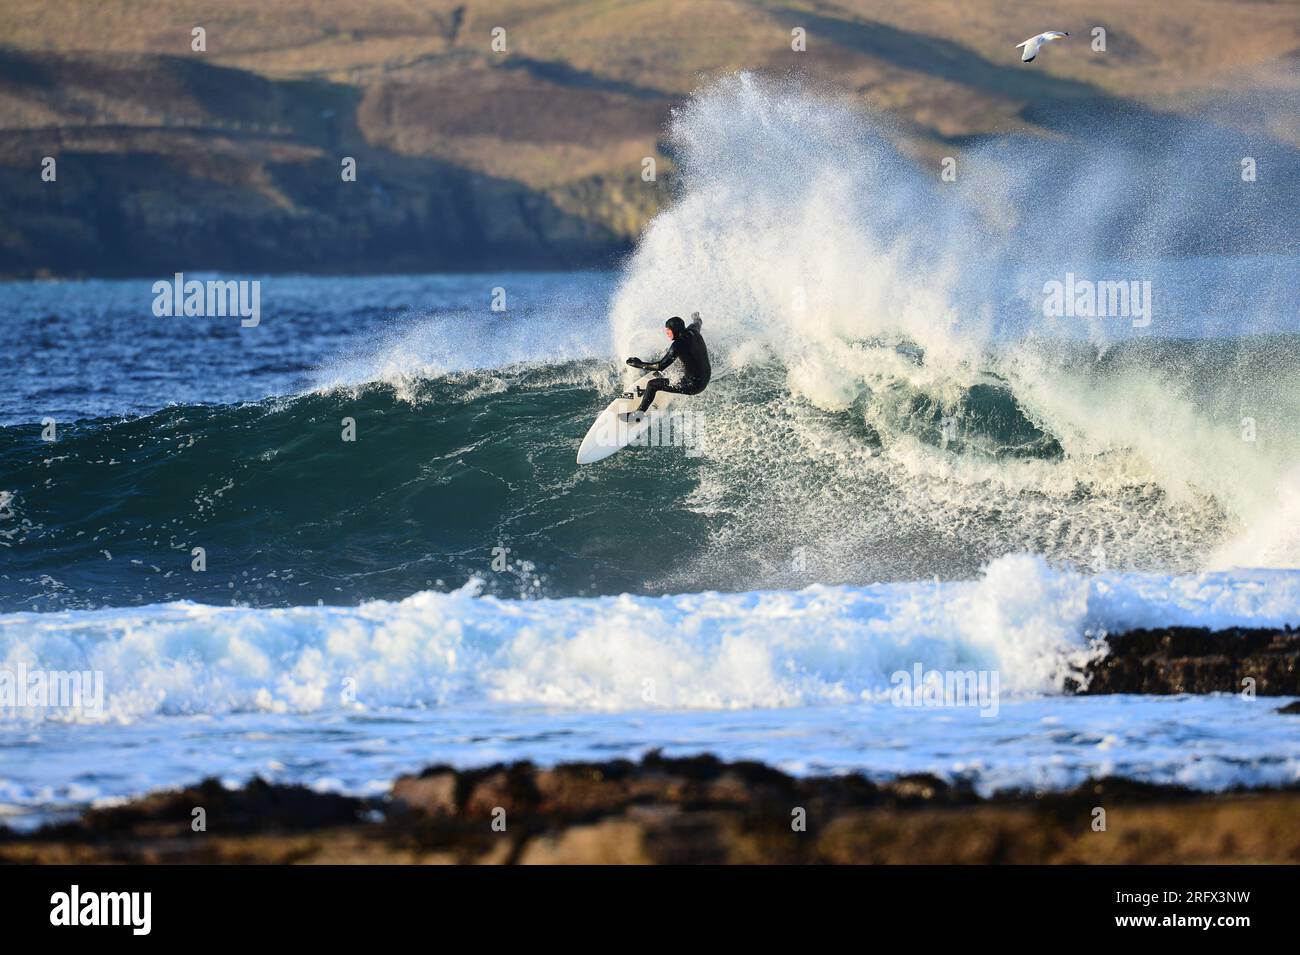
661 384
657 385
652 388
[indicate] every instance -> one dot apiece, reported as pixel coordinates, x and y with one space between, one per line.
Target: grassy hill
469 157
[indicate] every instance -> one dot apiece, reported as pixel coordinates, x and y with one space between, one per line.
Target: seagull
1034 42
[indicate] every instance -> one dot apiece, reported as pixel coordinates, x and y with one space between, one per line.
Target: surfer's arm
696 322
670 356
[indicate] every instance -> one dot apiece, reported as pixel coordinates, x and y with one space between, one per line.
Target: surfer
688 348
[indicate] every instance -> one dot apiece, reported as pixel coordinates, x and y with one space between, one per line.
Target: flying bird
1034 42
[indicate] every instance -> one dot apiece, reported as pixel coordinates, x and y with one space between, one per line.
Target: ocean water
903 461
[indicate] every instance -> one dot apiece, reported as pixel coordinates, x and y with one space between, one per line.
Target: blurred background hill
530 157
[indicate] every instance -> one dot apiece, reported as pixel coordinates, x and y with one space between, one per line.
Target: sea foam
1032 623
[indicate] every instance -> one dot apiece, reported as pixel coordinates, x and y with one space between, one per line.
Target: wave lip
1031 623
808 240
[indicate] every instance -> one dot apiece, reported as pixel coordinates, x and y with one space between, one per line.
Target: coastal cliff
540 145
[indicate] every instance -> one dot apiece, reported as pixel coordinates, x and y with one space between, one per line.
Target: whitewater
905 462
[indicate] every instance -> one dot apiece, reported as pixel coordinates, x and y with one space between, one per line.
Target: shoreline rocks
674 811
1172 660
703 810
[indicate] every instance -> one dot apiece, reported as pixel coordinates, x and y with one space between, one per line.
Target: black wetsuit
688 348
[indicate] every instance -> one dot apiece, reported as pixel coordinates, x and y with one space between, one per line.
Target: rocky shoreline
674 811
1263 661
704 810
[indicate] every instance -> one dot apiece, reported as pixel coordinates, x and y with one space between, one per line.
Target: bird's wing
1031 50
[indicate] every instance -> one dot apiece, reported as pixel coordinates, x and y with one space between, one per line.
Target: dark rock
1196 660
429 794
693 810
258 806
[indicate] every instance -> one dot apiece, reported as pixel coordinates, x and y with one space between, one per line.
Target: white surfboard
610 432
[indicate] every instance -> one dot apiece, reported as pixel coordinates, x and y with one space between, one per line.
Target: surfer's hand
635 362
